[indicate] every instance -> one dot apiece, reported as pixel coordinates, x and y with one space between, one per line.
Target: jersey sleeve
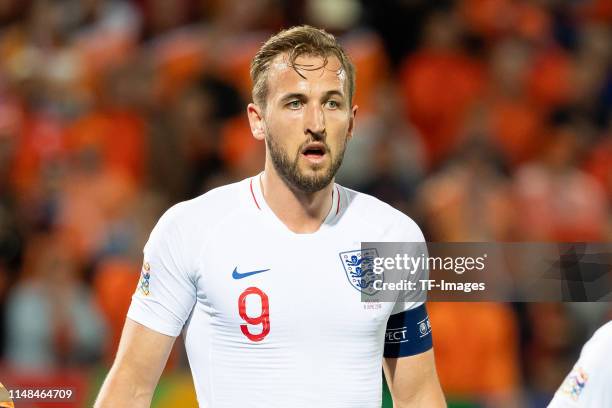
408 330
412 242
588 383
166 292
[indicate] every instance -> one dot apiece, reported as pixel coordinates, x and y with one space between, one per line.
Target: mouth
314 152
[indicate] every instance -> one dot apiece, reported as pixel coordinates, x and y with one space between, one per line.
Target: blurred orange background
484 120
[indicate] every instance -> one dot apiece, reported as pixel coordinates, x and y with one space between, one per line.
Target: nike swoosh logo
238 275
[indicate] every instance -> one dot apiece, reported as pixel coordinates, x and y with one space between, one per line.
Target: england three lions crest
359 268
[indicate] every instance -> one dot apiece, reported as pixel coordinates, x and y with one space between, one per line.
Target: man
253 273
589 384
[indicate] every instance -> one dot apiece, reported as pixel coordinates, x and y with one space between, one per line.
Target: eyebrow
301 96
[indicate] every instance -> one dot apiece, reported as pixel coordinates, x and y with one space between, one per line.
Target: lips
314 150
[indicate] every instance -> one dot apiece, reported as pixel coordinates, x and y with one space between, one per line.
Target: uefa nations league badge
143 283
359 268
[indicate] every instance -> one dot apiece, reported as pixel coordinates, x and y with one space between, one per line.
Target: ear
256 120
349 133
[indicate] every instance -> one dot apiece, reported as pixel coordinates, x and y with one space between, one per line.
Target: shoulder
189 223
184 228
393 224
209 207
592 357
588 382
601 342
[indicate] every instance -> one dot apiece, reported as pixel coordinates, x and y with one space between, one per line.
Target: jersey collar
260 204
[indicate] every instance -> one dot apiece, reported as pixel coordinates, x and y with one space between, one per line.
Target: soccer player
589 384
256 274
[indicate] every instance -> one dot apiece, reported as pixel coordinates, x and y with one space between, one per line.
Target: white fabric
589 384
324 346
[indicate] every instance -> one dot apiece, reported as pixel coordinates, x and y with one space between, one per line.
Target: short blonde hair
297 41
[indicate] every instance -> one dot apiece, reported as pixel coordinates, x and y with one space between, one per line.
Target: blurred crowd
484 120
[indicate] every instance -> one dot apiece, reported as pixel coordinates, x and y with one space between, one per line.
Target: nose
314 121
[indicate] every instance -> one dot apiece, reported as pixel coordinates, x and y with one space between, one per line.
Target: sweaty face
308 120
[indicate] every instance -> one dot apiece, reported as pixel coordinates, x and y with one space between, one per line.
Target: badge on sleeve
574 383
145 275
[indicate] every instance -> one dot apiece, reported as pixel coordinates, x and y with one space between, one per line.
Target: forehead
314 75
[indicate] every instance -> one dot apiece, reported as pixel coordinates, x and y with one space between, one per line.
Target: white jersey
589 384
271 318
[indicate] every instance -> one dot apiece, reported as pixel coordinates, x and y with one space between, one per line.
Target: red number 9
263 318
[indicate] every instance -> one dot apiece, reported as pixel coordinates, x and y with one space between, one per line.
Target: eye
295 104
331 104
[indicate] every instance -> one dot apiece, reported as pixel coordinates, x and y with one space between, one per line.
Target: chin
314 172
308 168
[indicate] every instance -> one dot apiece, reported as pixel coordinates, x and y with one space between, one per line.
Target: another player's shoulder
601 339
366 209
587 384
600 344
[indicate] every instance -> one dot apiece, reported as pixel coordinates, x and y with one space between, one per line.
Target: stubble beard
290 172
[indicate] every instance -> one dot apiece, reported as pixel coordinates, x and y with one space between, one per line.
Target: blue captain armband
408 333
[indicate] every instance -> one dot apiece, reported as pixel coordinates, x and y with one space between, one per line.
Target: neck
301 212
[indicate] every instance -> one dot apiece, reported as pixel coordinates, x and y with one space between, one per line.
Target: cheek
283 123
285 135
337 131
